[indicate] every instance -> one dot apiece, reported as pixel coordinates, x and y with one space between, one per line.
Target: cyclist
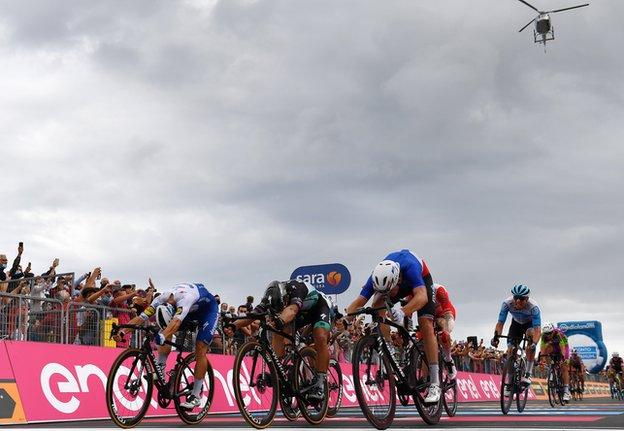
616 364
299 302
175 305
554 342
577 367
398 276
526 319
445 320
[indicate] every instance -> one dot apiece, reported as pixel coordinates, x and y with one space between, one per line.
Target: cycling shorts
517 331
206 316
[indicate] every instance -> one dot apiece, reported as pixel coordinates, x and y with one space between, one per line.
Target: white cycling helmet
615 354
385 276
548 328
164 313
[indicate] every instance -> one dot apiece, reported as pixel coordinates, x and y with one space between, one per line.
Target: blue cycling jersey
529 313
413 273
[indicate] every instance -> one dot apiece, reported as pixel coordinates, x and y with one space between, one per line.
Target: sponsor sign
332 278
586 338
11 411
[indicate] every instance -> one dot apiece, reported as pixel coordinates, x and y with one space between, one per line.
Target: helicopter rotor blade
567 8
530 22
530 5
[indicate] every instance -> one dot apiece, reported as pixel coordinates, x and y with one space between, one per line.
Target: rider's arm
357 303
172 327
418 301
289 313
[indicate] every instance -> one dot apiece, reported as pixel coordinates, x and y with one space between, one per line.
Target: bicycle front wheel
255 385
183 387
334 382
374 383
522 395
552 387
128 389
449 391
507 385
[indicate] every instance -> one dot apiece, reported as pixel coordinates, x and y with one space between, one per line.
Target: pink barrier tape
67 382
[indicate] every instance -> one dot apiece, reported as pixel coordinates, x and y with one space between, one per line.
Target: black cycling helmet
274 296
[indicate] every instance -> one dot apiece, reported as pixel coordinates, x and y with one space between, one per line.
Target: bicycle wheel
430 413
255 385
522 395
312 410
449 392
183 387
128 389
508 384
374 383
334 382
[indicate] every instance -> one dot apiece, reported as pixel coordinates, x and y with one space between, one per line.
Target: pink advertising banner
6 373
66 382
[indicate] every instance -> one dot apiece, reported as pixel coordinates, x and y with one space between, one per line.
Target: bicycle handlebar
367 310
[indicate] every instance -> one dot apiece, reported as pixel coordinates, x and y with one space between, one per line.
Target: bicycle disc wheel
334 382
374 383
430 413
183 387
507 382
312 410
522 395
449 392
128 389
255 385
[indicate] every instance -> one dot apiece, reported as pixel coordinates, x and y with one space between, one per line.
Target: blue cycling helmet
520 290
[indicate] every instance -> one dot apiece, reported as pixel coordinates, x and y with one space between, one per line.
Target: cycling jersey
313 307
414 275
442 301
616 364
576 362
559 342
530 313
193 303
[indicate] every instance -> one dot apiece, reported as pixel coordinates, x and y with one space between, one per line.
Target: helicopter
544 31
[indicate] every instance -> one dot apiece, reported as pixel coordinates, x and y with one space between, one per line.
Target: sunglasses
520 298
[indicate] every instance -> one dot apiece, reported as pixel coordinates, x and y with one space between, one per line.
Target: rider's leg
431 347
201 365
530 351
163 353
446 324
321 336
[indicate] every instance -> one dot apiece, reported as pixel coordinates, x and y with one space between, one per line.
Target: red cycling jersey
443 302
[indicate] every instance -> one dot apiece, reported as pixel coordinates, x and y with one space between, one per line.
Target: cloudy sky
232 141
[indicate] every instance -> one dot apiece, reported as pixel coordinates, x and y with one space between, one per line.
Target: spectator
249 304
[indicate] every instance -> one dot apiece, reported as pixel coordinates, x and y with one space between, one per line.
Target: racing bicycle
261 380
379 377
511 379
134 374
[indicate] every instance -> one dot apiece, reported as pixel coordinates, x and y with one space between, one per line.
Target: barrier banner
11 411
68 382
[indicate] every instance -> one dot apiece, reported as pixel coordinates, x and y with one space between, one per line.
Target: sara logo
332 278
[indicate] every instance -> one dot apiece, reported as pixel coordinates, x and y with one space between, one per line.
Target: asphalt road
590 414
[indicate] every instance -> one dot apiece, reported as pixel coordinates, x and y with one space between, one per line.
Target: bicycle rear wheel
128 389
334 382
430 413
312 410
522 395
255 385
374 383
508 385
449 392
183 387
